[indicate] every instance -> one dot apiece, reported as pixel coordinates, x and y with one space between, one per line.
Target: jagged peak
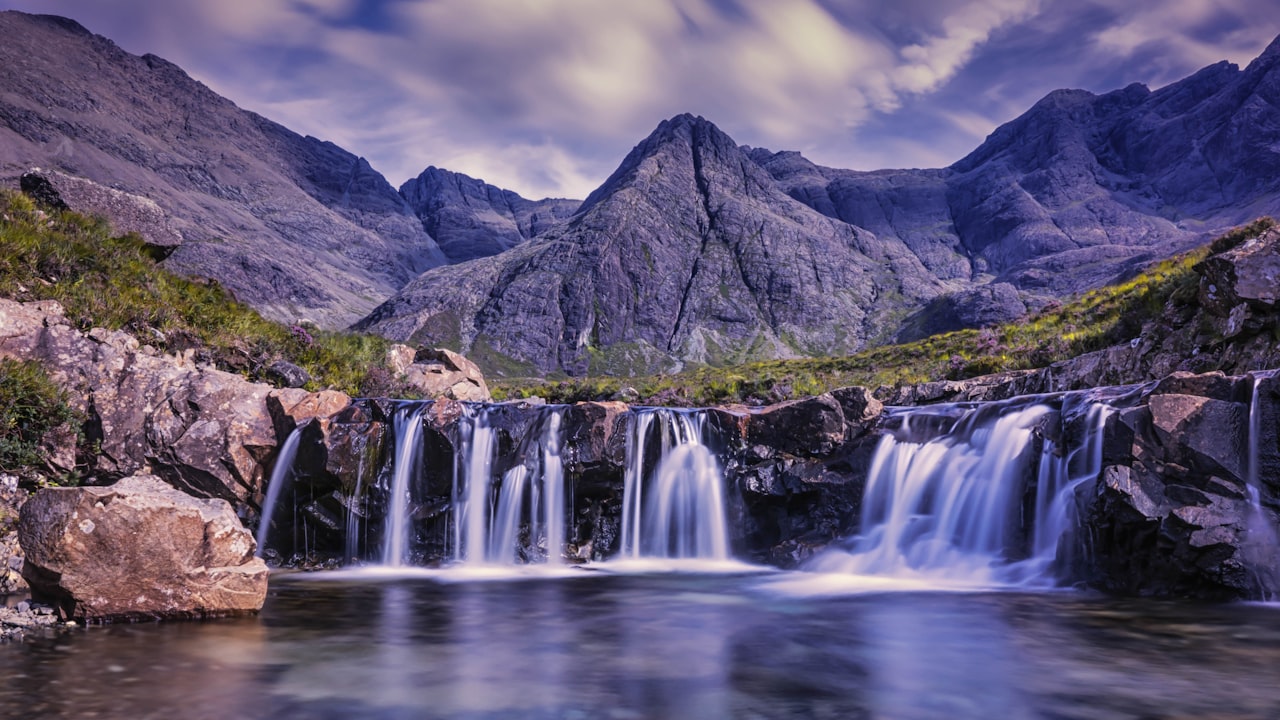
688 129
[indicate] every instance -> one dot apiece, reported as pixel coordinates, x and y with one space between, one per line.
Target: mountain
295 226
1080 188
697 250
470 218
688 252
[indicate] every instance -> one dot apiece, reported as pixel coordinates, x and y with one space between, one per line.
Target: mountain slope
1081 187
688 252
470 218
297 227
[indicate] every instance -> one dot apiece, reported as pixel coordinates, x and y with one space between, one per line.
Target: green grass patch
31 406
113 282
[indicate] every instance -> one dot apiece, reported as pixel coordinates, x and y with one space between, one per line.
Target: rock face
689 252
138 550
1171 515
205 431
127 213
295 226
471 219
1080 187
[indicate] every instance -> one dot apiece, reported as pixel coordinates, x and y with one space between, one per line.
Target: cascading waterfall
1262 540
407 426
677 510
530 495
946 495
280 475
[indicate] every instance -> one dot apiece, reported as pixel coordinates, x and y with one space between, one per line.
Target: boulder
127 213
808 426
205 431
139 549
440 373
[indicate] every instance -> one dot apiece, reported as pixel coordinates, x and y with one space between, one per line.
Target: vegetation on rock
31 406
114 282
1091 321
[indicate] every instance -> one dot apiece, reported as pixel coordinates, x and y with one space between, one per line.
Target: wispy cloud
546 96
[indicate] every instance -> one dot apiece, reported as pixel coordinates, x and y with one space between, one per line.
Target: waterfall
530 495
677 509
280 475
553 487
398 526
1261 542
949 492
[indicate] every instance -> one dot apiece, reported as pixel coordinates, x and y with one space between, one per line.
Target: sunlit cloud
546 97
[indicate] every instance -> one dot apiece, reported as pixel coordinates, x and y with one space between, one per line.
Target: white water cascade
1262 542
672 507
280 474
407 425
971 494
531 494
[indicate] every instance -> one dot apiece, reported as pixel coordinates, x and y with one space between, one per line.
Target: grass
113 282
31 406
1091 321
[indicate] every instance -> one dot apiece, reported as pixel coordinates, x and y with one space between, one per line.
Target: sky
545 97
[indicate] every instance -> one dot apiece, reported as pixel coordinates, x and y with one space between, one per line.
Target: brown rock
439 373
203 430
138 549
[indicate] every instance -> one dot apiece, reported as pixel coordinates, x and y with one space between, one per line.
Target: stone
139 549
440 373
287 374
205 431
808 426
128 213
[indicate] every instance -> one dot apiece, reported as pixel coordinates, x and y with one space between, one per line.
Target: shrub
31 405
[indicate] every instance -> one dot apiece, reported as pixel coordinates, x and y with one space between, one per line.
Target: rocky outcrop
127 213
438 373
204 430
471 219
1172 514
138 550
297 227
207 432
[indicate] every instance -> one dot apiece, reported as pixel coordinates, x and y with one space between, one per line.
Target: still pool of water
701 646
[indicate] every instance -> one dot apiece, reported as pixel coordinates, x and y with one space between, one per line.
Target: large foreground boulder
138 549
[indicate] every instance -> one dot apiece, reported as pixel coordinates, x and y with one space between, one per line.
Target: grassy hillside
1094 320
113 282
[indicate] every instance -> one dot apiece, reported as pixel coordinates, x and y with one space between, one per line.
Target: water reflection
668 646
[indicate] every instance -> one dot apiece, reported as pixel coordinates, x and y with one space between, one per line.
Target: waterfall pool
674 645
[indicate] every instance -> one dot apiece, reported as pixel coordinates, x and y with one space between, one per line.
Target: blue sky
545 97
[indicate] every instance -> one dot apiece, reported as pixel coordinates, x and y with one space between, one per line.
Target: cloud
546 96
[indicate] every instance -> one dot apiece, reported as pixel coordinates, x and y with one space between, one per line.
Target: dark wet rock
170 555
809 426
